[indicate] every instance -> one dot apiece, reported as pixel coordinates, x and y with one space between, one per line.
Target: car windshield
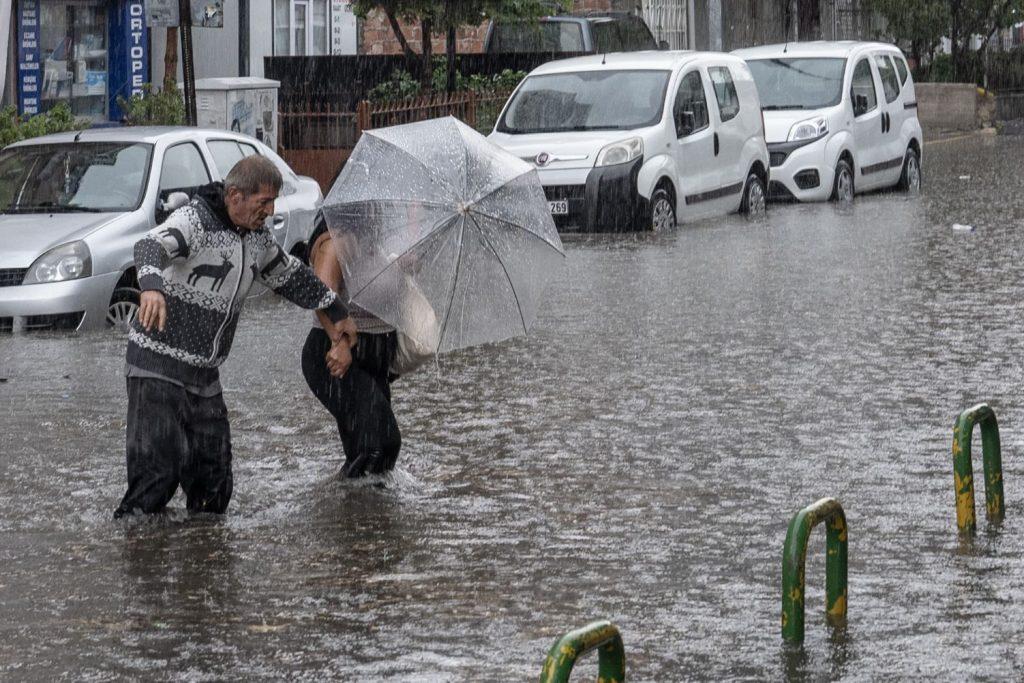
73 176
586 100
544 36
802 83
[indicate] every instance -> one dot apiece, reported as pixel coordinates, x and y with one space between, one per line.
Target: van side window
901 66
862 89
691 107
725 92
890 84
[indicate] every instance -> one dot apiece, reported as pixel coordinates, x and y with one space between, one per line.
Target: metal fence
316 139
669 21
1009 106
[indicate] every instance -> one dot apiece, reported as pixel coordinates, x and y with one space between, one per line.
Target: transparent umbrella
442 234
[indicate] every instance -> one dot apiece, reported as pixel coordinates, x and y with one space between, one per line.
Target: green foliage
57 120
153 108
402 85
921 24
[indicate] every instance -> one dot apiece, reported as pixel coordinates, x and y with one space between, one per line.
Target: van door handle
278 220
883 122
716 144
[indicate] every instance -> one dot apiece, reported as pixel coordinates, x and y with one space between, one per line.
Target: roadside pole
187 61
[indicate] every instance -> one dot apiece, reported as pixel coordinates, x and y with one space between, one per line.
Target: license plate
559 207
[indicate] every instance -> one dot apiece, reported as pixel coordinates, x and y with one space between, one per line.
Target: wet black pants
175 438
360 401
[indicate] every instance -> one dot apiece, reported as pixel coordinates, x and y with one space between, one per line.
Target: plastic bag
420 335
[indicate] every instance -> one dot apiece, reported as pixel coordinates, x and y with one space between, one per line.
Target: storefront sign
162 13
129 58
29 73
343 28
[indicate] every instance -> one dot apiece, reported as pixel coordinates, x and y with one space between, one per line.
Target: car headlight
66 262
620 152
808 130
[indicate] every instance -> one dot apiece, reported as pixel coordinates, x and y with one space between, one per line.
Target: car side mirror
686 121
663 45
175 201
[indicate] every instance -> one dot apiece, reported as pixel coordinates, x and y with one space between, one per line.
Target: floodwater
637 459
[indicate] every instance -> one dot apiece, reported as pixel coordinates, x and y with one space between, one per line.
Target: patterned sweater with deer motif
205 267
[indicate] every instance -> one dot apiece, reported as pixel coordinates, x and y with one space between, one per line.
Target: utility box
244 104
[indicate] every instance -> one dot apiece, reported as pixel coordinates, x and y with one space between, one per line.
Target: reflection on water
637 458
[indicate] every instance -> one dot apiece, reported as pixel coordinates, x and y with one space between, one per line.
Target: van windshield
586 100
801 83
73 177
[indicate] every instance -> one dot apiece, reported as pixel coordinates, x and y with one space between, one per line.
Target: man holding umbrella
195 271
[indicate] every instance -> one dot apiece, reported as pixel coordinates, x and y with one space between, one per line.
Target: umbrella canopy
442 234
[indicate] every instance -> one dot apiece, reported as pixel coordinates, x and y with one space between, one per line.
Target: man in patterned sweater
195 271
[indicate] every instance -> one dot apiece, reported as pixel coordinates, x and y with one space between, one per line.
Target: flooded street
637 459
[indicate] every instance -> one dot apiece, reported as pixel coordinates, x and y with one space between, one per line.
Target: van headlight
66 262
620 152
808 130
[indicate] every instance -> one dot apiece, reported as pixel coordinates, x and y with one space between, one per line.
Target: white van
840 117
641 140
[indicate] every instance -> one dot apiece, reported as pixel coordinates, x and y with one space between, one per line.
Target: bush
153 108
403 85
56 120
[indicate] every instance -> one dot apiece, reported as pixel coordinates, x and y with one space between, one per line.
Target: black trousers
175 438
360 402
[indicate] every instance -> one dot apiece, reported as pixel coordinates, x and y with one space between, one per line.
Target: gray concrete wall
947 106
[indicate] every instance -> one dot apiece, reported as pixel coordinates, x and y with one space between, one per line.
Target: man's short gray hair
253 173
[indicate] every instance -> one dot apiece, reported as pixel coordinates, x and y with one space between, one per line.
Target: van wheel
910 179
663 211
842 187
753 202
123 307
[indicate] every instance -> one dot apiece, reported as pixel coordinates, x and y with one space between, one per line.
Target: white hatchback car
72 206
840 117
637 141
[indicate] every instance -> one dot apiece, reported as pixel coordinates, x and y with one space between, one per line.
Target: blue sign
129 53
29 73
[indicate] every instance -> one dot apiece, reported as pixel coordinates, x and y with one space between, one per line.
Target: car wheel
663 211
123 307
910 179
842 187
753 202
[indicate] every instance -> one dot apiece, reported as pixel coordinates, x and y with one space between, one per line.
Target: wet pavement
637 458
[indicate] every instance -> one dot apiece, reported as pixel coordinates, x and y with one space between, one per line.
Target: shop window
301 27
73 44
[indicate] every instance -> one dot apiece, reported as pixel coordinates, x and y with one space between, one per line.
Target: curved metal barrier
600 635
794 556
963 470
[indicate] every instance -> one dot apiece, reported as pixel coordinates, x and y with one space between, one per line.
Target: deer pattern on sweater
205 269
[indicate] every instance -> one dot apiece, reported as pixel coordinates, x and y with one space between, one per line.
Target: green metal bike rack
963 470
600 635
794 559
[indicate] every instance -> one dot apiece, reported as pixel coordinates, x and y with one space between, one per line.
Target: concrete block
947 106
